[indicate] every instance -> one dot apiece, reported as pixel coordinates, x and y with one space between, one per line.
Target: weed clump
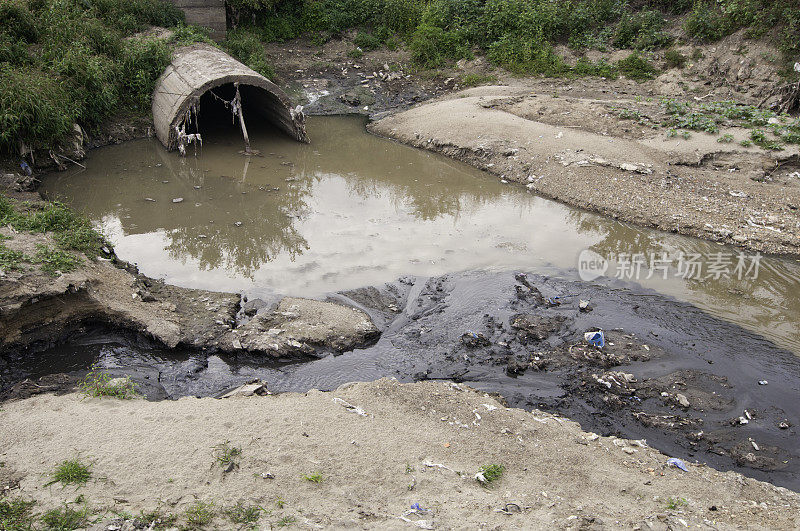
66 518
16 515
71 472
227 456
488 474
674 59
199 514
243 514
98 384
314 478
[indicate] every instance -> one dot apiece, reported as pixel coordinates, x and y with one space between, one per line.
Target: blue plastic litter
597 339
417 507
674 461
25 168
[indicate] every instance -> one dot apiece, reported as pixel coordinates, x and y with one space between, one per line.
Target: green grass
71 472
199 515
55 261
11 259
243 514
314 478
71 232
97 384
16 515
225 454
286 521
491 473
65 519
157 520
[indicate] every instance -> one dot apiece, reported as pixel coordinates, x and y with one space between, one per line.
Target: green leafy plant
98 384
314 478
674 58
637 68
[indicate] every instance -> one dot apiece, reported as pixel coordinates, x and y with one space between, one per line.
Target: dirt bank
573 148
38 308
408 444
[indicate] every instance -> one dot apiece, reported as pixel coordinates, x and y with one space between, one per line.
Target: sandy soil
412 443
568 147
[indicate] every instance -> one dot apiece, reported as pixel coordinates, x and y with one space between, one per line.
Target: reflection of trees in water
428 188
769 299
246 232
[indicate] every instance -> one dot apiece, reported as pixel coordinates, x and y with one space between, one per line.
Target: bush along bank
519 35
67 62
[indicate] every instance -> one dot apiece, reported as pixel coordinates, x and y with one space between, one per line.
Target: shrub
245 46
674 59
706 22
431 46
637 68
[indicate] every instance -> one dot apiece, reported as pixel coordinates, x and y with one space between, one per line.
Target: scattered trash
736 193
489 407
596 338
355 409
784 425
584 306
25 168
474 339
431 464
755 446
674 461
254 387
763 382
178 200
418 508
509 508
682 400
150 199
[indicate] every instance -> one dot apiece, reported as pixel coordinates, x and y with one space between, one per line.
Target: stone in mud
357 97
251 307
305 327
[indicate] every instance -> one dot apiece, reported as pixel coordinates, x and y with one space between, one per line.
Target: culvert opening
201 72
215 111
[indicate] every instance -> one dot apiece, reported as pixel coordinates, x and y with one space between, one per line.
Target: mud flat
379 448
572 148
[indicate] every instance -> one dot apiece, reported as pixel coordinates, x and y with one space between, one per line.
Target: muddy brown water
351 210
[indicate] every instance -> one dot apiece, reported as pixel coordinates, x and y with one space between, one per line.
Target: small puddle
352 210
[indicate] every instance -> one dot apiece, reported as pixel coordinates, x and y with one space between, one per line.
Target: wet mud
687 382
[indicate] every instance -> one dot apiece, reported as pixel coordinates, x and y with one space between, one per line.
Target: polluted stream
432 249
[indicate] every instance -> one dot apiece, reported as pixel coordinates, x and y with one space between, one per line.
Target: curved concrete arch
198 68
